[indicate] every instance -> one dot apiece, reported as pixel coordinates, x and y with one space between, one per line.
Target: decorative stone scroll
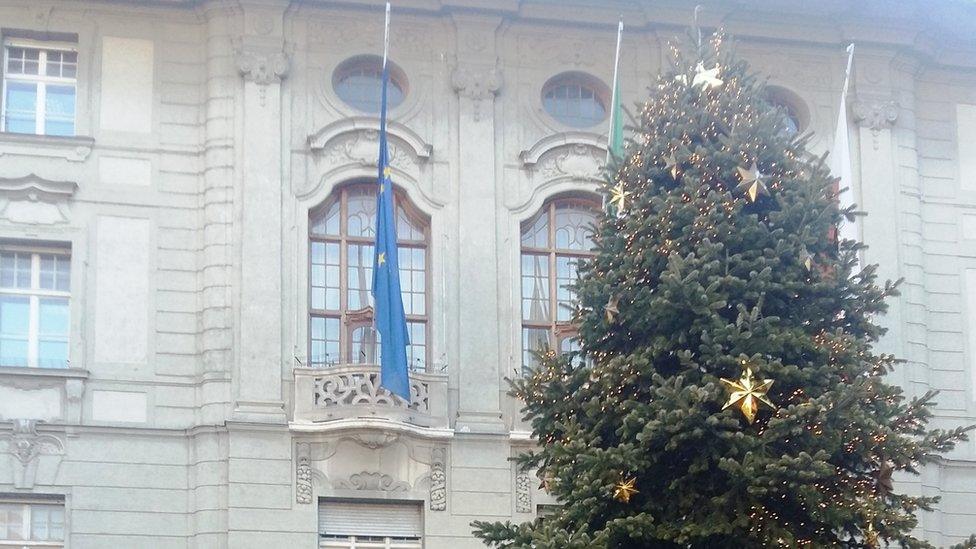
478 85
303 473
438 481
876 115
263 69
367 480
363 388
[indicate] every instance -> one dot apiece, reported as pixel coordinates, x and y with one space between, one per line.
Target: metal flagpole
386 35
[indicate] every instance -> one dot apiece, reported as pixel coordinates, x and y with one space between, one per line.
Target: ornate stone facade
206 133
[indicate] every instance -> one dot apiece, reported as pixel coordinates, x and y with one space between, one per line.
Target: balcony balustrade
352 391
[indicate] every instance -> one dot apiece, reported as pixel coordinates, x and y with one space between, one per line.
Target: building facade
186 351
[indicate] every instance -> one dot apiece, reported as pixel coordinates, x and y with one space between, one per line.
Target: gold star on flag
709 78
618 196
624 489
752 184
381 259
747 394
387 171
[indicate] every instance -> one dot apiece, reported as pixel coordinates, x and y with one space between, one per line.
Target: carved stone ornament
26 446
35 200
262 69
303 473
360 148
364 389
876 115
523 492
367 480
478 85
438 481
574 161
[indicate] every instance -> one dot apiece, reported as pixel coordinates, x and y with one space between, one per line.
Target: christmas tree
729 394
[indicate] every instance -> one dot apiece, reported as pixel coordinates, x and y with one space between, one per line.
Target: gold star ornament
752 184
671 164
747 394
611 309
619 196
624 489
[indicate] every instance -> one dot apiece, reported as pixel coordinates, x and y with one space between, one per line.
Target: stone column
477 80
263 65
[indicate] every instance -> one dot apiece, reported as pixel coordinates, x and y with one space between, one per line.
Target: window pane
412 284
534 340
573 103
565 297
535 287
325 341
417 350
14 323
537 234
59 117
574 229
365 346
55 272
362 213
12 521
20 107
327 224
359 276
408 228
325 275
47 522
53 333
360 83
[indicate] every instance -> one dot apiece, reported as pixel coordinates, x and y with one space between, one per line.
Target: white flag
840 157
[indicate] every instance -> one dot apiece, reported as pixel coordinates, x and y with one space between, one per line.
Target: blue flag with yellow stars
391 322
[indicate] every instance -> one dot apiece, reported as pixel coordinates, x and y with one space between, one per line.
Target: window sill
62 373
75 148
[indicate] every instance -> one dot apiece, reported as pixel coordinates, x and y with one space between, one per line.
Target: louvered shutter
370 518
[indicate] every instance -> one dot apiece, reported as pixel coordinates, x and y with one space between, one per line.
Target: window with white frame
35 291
553 243
33 524
341 238
357 524
39 87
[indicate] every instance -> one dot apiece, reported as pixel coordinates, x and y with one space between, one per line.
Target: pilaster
477 79
262 64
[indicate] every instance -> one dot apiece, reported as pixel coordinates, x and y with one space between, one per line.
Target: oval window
576 99
359 83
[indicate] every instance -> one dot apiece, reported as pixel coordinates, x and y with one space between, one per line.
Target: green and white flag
615 204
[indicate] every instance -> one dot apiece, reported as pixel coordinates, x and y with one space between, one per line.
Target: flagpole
386 35
613 92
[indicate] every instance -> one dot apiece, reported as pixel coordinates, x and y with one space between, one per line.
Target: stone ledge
71 148
65 373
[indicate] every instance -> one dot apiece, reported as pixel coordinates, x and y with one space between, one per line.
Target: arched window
341 238
359 83
553 242
576 99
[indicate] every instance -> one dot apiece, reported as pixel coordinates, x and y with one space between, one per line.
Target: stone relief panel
523 492
371 461
35 200
35 458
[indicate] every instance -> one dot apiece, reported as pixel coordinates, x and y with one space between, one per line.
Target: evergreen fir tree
704 274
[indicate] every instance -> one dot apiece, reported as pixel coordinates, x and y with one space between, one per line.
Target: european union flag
391 321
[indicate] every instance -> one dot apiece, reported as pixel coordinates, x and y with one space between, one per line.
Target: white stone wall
208 131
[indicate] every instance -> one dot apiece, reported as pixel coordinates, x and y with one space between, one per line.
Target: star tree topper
747 394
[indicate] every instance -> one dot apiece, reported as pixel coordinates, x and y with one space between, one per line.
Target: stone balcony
344 393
